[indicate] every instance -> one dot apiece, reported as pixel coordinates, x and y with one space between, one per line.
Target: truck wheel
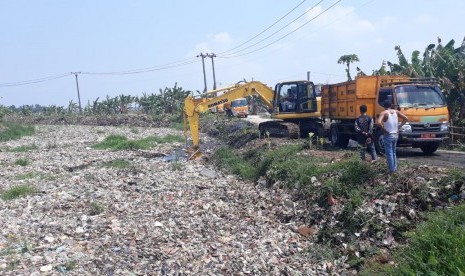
379 143
429 148
338 139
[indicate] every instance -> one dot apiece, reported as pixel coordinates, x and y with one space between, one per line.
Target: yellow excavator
294 107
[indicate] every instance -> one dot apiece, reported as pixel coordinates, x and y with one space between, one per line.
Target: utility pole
77 86
308 75
212 55
203 66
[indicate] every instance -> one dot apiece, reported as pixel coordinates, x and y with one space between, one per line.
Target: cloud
218 42
339 20
223 38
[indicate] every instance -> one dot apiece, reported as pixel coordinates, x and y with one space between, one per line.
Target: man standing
364 129
389 120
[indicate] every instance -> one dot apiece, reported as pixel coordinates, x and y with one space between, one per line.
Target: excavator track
279 129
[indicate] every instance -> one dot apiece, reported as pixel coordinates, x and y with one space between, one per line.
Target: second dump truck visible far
237 108
421 100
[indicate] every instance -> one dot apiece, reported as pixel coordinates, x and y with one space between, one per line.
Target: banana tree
347 60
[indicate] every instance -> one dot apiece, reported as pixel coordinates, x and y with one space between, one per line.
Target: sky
133 47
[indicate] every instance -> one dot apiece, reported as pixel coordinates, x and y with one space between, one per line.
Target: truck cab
422 101
297 102
238 108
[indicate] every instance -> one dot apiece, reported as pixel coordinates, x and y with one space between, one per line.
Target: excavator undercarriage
279 129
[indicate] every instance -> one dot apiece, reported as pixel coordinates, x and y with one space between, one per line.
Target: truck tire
429 148
379 143
338 139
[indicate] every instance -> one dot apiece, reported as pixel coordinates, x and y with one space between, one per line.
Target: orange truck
237 108
421 100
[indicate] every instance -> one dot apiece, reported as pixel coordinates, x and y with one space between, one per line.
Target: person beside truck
364 129
388 120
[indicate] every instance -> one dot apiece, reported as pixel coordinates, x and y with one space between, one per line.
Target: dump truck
420 99
237 108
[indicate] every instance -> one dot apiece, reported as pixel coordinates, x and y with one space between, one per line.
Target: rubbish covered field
84 210
88 216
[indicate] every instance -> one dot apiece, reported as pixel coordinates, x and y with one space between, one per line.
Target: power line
269 27
26 82
188 61
286 35
282 28
147 69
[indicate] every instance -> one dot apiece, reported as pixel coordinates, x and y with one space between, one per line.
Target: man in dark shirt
364 129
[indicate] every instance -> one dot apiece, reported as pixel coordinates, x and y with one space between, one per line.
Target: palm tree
348 59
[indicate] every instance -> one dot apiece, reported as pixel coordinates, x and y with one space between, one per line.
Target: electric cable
26 82
274 33
147 69
266 29
284 36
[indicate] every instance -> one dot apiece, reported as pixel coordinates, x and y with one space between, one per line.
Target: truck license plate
428 135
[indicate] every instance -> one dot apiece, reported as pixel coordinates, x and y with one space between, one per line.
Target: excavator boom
194 106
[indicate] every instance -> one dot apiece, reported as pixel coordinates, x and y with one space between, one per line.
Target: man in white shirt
389 120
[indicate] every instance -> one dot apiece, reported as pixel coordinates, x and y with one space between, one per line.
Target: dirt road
443 158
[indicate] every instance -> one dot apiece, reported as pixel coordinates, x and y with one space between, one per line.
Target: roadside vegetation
361 212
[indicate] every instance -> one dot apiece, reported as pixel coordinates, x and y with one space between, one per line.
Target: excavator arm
194 106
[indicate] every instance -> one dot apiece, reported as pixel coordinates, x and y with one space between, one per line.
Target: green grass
22 162
15 131
134 130
177 166
117 164
435 247
18 191
168 139
119 142
30 175
24 148
226 158
177 122
178 126
281 164
96 208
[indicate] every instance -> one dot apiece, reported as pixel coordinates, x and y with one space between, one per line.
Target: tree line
167 101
